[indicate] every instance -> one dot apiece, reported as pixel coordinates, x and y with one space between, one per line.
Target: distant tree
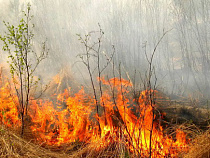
23 60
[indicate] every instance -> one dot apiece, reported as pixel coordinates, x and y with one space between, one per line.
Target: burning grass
11 145
68 123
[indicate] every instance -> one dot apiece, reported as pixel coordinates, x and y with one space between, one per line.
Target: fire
8 106
68 117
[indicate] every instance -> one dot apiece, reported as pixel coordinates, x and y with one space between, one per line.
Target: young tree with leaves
23 60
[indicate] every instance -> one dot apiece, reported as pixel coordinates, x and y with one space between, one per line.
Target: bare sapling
93 52
151 88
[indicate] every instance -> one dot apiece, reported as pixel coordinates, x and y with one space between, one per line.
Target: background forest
181 60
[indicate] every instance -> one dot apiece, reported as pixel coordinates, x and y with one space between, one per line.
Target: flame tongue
123 121
8 108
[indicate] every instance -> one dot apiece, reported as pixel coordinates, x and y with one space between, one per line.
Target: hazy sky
133 27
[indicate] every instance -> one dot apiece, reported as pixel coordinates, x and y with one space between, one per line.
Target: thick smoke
181 60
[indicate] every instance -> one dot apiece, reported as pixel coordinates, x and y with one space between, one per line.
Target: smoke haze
181 61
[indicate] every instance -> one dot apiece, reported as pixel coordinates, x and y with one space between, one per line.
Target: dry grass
200 146
11 145
113 150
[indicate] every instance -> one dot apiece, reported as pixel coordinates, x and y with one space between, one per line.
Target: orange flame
8 106
72 117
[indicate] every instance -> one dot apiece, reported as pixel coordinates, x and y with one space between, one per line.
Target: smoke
181 60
